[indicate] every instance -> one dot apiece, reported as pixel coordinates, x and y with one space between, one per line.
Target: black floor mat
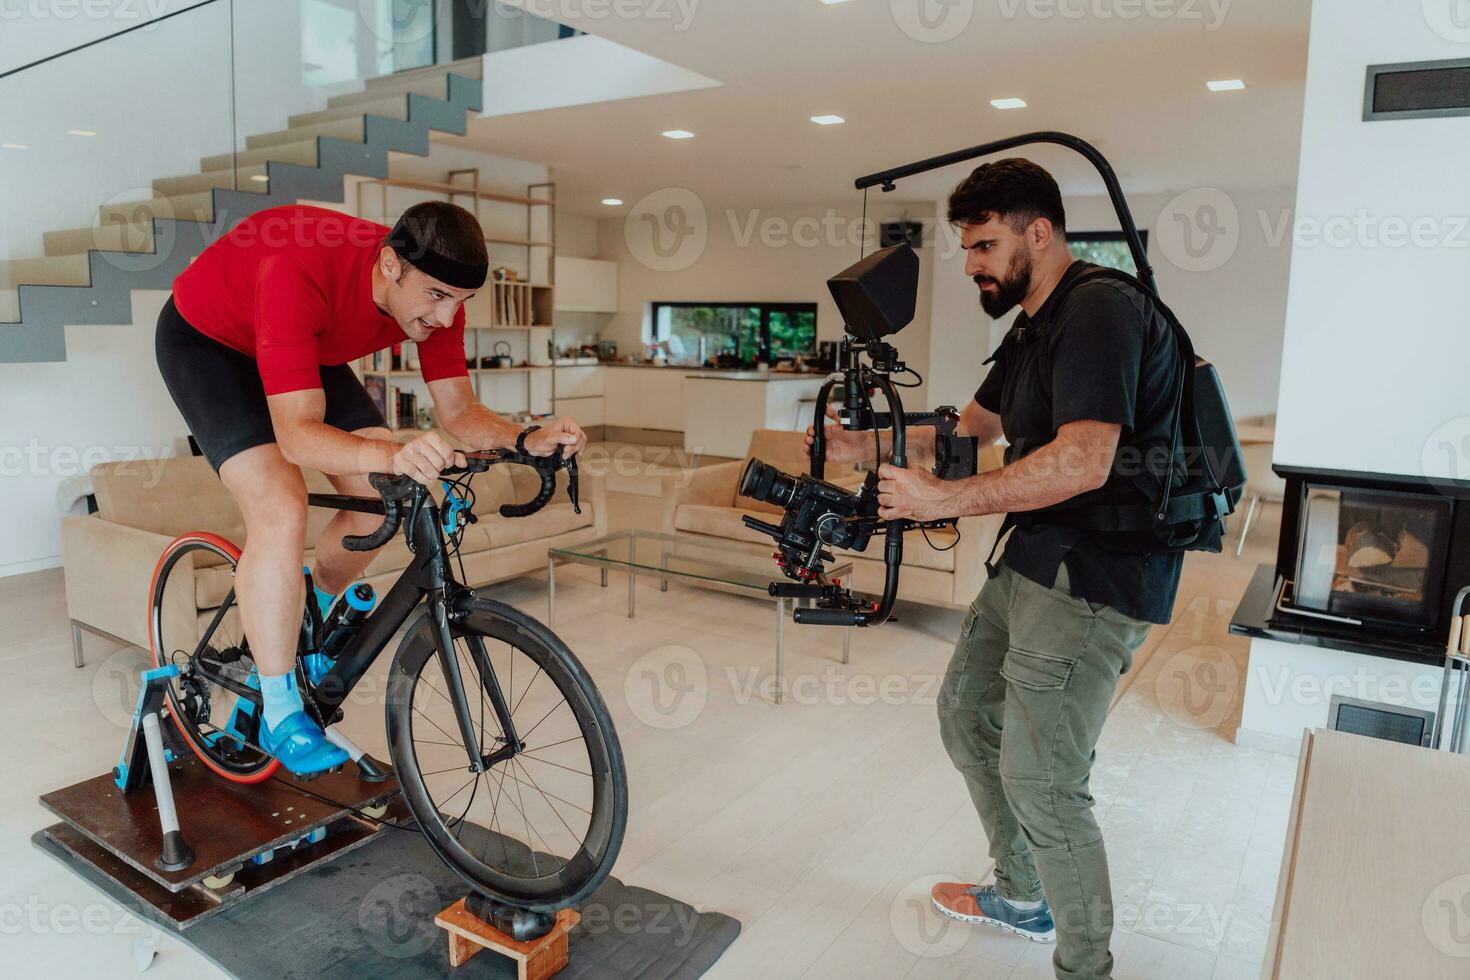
370 913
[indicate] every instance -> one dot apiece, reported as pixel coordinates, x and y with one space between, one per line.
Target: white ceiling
1134 85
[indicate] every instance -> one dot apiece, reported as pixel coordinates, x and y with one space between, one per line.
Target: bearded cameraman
1057 623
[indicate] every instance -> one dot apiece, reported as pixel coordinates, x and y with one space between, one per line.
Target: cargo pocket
1036 671
959 664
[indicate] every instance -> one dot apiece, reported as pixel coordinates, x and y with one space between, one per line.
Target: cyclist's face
422 304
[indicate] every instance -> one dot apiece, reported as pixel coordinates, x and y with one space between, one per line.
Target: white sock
280 698
1022 906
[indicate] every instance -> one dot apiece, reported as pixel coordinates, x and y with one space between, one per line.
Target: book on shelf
377 390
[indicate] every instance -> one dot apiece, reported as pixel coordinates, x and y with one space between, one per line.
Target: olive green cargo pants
1020 710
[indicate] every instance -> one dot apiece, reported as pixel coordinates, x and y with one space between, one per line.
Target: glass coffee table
724 565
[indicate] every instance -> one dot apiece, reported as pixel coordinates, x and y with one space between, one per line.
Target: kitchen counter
729 374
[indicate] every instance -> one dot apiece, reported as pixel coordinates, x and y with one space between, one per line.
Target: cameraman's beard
1010 290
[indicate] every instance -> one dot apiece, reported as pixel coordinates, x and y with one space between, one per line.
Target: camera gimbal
876 297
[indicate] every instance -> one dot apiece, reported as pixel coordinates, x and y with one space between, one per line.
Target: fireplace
1371 557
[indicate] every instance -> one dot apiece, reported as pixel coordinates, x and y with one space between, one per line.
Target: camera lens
765 483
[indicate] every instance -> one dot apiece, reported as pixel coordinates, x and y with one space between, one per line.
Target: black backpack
1181 507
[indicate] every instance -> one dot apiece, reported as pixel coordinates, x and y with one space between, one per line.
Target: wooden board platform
193 904
225 823
535 960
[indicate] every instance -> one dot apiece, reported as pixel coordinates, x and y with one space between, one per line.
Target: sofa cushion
721 522
178 494
555 518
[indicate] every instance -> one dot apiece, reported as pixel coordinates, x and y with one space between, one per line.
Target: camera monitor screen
876 295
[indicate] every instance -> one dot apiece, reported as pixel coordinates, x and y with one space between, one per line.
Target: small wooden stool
535 960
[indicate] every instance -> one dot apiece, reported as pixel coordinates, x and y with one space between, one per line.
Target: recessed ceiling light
260 178
1225 85
1008 103
612 202
828 120
832 2
678 134
80 132
15 146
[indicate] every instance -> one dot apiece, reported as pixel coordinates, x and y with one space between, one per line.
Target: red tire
193 541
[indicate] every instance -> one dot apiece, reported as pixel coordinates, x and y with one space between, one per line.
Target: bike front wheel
540 828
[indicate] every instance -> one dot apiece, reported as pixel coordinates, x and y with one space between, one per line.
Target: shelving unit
519 307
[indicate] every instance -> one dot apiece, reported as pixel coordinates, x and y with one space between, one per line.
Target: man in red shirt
256 348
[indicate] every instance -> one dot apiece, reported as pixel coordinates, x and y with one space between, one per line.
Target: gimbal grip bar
794 590
828 617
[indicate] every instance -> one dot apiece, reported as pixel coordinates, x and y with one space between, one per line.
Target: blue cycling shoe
301 745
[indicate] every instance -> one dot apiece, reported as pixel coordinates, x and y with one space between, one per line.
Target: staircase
86 275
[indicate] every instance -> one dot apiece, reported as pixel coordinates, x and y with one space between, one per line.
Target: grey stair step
186 207
468 67
118 236
303 152
245 179
391 107
350 129
51 270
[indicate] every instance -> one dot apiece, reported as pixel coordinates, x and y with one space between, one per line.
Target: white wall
1373 374
1234 306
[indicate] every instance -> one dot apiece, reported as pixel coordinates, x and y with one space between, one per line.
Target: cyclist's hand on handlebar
842 446
564 434
423 458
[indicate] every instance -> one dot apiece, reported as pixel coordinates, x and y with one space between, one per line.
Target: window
751 331
1108 248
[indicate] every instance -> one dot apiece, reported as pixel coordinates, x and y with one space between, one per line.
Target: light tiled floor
819 823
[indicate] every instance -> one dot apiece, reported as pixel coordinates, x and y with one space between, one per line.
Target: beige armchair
948 574
142 505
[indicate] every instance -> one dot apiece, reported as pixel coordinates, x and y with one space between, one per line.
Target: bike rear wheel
542 828
218 724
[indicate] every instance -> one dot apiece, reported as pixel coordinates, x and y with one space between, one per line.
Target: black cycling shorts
219 392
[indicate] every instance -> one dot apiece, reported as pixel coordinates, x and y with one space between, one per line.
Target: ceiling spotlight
1008 103
830 3
15 146
1225 85
80 132
612 202
828 120
678 134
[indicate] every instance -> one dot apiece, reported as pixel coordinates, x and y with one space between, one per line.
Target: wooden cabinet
620 395
579 382
661 399
586 411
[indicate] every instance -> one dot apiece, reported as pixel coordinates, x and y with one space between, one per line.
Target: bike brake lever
573 485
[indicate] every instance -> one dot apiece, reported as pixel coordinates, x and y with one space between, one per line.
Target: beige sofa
109 556
707 505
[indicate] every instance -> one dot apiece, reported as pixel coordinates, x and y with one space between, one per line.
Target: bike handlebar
395 490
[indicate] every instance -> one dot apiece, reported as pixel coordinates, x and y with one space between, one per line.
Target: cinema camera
876 299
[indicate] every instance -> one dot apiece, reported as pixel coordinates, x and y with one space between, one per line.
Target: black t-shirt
1106 355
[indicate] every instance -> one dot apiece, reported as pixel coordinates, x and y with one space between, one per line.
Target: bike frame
428 576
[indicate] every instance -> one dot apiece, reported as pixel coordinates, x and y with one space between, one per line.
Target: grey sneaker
981 903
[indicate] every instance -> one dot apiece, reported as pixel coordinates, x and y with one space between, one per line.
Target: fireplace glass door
1372 555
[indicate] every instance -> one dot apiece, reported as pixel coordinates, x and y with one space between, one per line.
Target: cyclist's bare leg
271 494
334 567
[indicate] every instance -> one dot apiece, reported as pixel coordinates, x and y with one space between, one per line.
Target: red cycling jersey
292 288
